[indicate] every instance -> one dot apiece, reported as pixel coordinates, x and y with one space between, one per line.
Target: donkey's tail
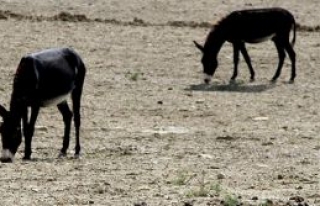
81 73
294 33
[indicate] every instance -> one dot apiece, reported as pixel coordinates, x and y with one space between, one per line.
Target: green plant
231 200
266 203
263 204
134 76
216 188
181 179
202 191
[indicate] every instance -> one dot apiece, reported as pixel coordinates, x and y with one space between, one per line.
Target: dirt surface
152 134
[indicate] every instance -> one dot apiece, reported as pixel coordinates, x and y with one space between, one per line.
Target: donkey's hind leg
280 48
292 56
76 98
67 117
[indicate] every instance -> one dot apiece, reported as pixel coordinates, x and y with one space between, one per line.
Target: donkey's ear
3 112
198 46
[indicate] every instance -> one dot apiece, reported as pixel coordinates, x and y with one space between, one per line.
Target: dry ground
151 132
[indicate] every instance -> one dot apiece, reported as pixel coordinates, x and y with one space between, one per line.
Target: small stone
297 198
261 118
42 128
140 204
269 202
280 177
200 101
251 187
267 143
160 102
254 198
221 176
214 167
188 204
206 156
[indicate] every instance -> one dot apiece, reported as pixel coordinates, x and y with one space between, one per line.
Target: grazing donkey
42 79
251 26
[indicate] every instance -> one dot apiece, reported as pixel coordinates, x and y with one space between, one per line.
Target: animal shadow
232 87
49 160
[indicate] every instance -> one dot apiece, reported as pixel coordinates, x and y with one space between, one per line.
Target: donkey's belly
260 39
55 100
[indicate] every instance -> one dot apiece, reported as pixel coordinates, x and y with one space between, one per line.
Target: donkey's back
257 25
47 75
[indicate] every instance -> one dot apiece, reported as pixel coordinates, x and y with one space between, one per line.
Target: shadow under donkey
232 87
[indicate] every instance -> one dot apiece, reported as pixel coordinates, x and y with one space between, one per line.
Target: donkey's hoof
291 81
62 155
273 81
232 81
77 156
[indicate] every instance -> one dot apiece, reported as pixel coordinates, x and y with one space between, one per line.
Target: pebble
221 176
140 204
297 198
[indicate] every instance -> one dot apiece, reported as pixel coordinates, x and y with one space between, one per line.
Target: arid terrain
152 133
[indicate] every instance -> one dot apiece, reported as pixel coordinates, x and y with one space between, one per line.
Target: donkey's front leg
236 50
248 61
67 117
28 129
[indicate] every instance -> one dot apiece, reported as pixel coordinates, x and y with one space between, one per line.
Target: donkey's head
209 63
11 135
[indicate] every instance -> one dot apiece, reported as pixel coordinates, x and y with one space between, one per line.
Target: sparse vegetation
203 189
217 188
182 178
231 200
263 204
135 76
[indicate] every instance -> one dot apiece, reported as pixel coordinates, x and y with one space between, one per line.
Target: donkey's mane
214 29
218 23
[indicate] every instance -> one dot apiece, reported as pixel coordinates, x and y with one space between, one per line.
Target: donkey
42 79
250 26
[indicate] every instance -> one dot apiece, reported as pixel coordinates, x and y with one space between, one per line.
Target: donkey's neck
18 106
214 43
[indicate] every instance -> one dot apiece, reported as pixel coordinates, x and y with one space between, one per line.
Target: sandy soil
306 12
151 131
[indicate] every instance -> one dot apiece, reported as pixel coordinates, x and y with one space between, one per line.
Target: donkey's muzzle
6 156
6 160
207 78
